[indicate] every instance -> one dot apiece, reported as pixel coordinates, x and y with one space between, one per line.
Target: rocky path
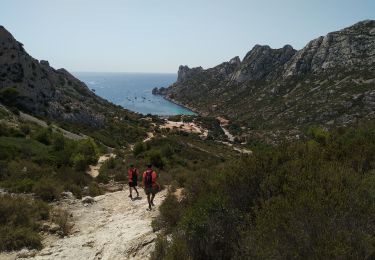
113 227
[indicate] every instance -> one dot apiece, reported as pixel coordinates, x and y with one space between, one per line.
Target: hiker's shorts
132 184
151 190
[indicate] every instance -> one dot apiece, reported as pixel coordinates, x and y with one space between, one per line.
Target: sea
133 91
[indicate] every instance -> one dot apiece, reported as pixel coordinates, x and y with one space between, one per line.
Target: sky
159 35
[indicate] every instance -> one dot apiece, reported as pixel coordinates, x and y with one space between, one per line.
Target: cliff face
44 91
263 63
331 81
350 49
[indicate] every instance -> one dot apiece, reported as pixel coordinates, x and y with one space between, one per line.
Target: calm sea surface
133 91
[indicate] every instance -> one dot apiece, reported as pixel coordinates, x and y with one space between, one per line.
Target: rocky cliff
45 91
331 81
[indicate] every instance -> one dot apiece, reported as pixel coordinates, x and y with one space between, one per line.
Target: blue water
134 91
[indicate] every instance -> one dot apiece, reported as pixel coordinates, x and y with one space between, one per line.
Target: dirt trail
93 170
113 227
150 135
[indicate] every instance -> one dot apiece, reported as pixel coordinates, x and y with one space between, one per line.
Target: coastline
192 109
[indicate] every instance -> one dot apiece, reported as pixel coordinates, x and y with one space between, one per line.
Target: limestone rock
67 195
25 253
50 227
262 62
88 200
184 72
347 49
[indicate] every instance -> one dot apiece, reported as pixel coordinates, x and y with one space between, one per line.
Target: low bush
19 237
103 176
155 158
79 162
61 218
308 199
94 189
19 218
138 148
47 189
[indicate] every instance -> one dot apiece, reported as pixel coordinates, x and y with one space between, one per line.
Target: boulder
67 195
88 200
25 253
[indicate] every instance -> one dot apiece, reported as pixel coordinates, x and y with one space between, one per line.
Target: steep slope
331 81
36 88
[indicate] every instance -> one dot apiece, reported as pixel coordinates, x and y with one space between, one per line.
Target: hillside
35 87
279 92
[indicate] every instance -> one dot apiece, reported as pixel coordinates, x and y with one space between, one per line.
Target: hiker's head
149 166
131 165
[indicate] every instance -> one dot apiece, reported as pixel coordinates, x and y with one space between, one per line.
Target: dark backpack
134 175
148 179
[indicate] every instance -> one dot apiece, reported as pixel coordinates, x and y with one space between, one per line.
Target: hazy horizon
156 37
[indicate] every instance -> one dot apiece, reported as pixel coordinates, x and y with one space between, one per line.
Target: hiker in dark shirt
150 185
133 179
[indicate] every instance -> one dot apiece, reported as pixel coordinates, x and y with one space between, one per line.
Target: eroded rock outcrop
350 49
44 91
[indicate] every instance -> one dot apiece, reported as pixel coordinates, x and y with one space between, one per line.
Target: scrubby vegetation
19 218
178 155
119 129
43 162
310 199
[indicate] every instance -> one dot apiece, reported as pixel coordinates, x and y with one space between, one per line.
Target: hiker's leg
130 191
152 198
149 201
136 191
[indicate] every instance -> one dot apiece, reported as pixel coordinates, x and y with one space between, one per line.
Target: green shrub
75 189
94 189
19 186
312 199
4 130
79 162
170 212
17 238
138 148
43 135
103 176
160 250
19 218
110 163
59 142
47 189
89 150
318 134
154 157
61 218
167 151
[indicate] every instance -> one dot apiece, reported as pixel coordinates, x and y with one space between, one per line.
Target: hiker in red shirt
150 185
133 179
